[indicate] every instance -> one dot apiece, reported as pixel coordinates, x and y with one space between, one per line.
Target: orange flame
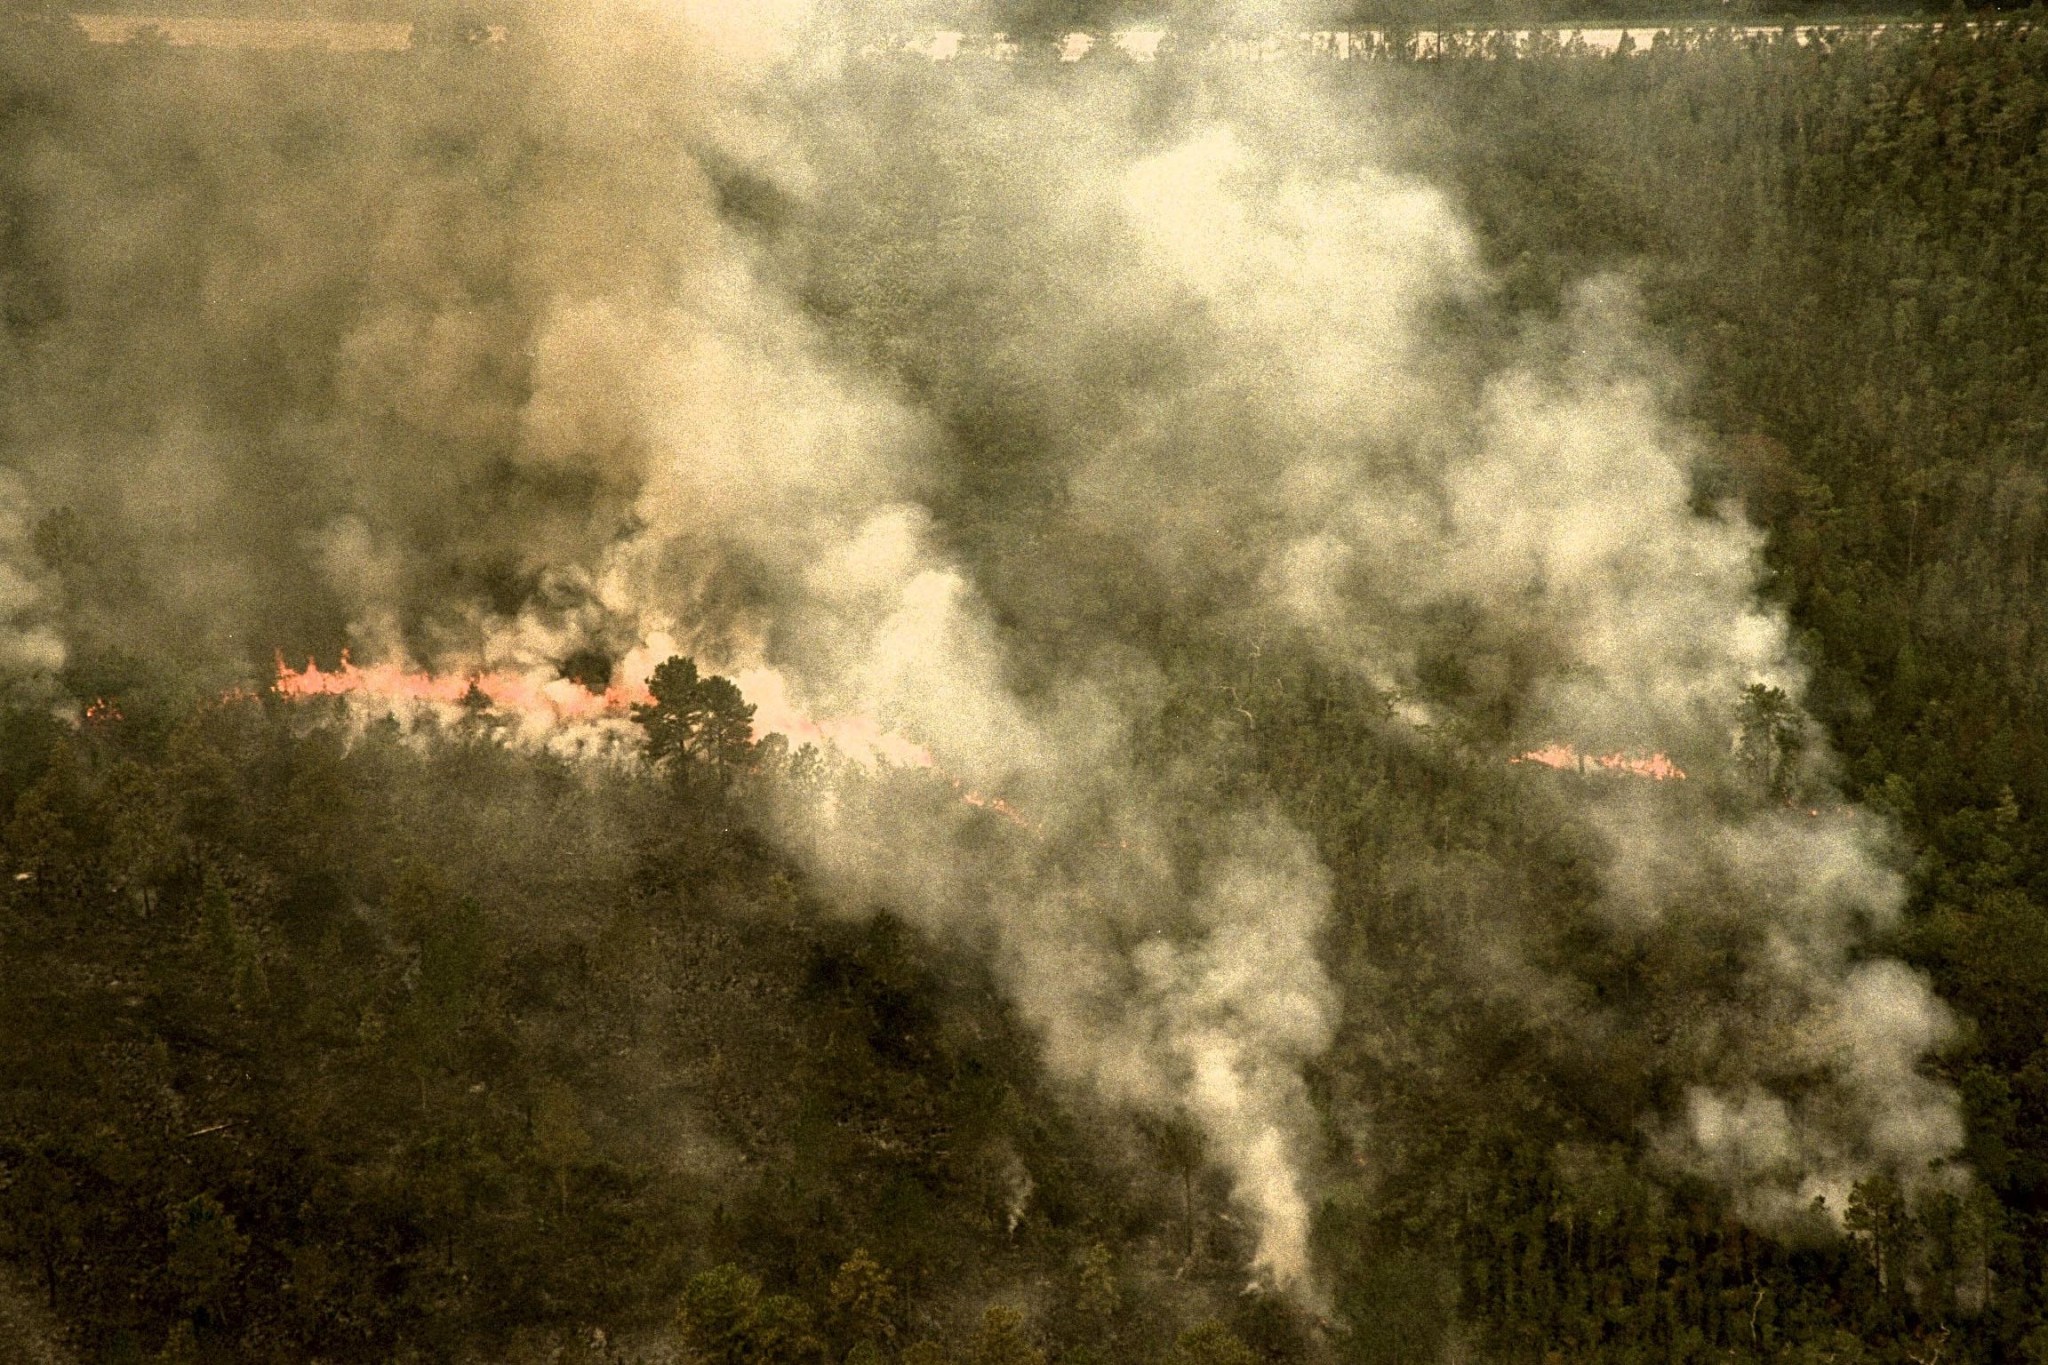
996 804
562 699
559 698
1658 767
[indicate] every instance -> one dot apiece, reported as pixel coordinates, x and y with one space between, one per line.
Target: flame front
1658 766
549 702
556 698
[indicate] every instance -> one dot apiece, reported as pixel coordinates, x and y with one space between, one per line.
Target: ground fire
1658 767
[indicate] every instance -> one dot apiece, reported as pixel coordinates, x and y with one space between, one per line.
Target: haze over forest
663 699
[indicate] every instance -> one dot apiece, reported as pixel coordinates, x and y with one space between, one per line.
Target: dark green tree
694 717
1210 1343
1770 736
1002 1340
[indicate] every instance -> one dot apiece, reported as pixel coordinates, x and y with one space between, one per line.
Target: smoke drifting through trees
965 399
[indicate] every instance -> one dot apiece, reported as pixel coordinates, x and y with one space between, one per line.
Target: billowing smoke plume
963 400
1329 468
1248 363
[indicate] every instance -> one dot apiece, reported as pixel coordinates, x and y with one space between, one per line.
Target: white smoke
29 642
1309 449
809 479
1252 381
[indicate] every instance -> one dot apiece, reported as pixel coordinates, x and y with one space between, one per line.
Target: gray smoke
954 397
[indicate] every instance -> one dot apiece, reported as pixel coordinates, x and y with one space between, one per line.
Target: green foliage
726 1320
1001 1340
782 1333
434 1049
559 1139
1210 1343
1100 1297
231 948
862 1303
1768 741
719 1312
205 1250
693 717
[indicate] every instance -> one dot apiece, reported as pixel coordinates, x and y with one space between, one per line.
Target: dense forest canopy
1053 702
